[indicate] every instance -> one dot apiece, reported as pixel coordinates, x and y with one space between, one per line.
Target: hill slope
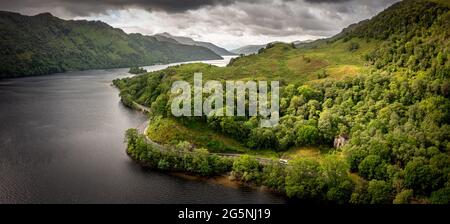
411 40
42 44
189 41
249 49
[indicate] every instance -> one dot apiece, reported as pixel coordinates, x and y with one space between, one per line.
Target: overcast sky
227 23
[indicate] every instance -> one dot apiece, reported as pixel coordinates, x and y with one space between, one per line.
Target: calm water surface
61 141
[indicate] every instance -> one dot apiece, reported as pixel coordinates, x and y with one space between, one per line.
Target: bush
274 176
360 194
303 179
354 157
380 192
334 172
420 176
372 167
137 70
441 196
307 135
247 169
404 197
163 165
322 74
353 46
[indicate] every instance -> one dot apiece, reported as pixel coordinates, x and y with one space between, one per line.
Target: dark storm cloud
238 19
86 7
327 1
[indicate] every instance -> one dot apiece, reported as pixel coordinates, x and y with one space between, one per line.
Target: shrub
441 196
307 135
404 197
372 167
380 192
303 179
247 169
274 175
353 46
420 176
334 172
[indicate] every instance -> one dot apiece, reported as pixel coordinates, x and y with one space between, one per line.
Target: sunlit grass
302 152
168 131
284 63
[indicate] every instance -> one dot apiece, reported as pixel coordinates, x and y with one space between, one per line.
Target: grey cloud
87 7
326 1
275 18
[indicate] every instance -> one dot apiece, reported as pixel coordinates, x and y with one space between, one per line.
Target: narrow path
142 129
142 107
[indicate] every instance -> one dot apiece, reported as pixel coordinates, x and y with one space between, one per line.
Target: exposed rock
340 141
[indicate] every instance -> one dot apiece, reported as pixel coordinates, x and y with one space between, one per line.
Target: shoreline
226 180
223 57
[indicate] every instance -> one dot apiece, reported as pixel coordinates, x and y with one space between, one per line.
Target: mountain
166 39
190 41
253 49
249 49
381 87
301 42
42 44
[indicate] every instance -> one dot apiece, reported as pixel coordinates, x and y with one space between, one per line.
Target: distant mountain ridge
43 44
254 49
249 49
189 41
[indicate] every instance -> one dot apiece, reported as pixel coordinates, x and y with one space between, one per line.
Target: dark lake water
61 141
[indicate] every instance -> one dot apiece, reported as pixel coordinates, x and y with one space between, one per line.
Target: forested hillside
381 85
42 44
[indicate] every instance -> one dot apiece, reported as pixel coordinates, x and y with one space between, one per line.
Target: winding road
142 129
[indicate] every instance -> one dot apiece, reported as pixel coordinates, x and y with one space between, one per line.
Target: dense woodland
386 92
43 44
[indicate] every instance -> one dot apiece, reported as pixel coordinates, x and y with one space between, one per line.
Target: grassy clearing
312 152
341 61
284 63
170 131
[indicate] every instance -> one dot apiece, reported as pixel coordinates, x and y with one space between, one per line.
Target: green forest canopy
382 83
